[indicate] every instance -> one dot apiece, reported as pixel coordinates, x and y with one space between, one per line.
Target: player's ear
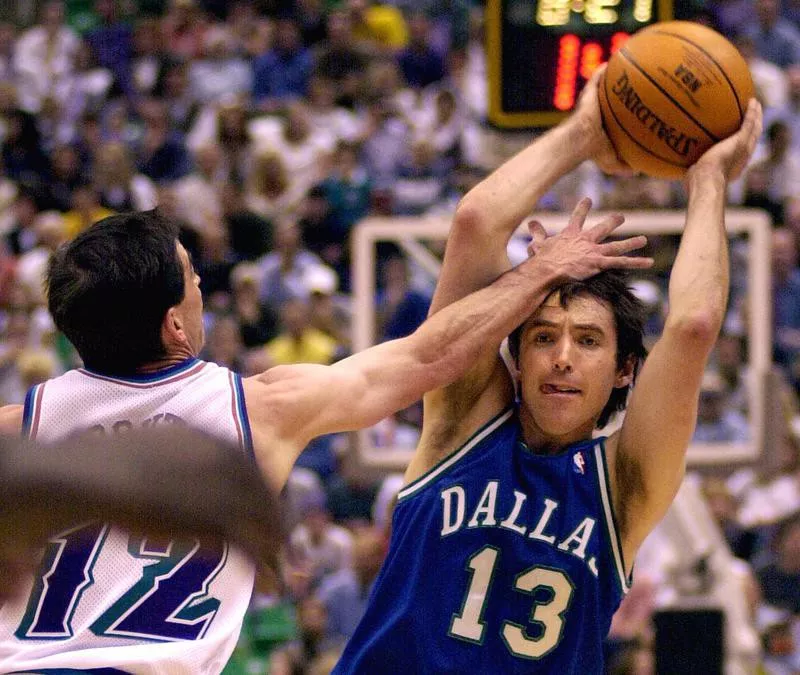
626 373
172 327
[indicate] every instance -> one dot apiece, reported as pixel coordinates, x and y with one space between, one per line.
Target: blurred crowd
267 129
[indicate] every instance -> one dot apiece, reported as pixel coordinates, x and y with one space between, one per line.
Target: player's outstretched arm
662 412
300 402
488 215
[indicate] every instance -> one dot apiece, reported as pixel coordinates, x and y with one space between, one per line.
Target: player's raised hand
731 155
578 253
587 114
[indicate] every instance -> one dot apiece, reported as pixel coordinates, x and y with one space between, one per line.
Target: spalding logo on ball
671 92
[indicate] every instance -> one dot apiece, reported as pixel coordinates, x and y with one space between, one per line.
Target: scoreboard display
541 52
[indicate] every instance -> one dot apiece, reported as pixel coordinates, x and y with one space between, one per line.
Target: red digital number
576 59
566 72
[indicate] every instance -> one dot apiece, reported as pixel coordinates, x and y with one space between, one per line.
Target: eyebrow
544 323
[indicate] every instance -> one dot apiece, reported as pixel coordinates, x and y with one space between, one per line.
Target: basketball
671 92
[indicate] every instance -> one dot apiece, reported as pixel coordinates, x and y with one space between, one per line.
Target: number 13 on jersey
547 614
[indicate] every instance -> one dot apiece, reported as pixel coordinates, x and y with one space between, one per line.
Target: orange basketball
671 92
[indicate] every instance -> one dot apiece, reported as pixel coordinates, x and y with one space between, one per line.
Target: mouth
551 389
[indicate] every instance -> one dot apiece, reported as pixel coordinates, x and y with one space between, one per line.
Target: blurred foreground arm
168 483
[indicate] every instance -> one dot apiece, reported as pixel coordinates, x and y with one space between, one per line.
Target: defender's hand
731 156
575 253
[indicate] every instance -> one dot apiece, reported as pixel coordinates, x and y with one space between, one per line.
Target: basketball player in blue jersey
514 537
125 293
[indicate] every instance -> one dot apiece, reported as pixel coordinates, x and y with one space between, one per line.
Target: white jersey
104 598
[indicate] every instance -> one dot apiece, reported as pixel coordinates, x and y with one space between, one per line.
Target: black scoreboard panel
541 52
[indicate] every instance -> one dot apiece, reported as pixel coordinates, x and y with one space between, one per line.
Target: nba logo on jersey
579 463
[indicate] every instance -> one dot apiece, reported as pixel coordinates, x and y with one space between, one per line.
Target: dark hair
611 288
109 289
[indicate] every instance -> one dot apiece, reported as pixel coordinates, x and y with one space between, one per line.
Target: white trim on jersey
443 466
608 512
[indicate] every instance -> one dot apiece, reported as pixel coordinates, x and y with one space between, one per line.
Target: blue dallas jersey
501 561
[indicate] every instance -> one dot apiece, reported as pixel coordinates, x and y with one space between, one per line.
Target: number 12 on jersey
469 625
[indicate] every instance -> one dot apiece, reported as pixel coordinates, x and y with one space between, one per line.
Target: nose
563 356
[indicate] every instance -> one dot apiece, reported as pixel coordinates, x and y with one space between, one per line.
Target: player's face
568 365
191 307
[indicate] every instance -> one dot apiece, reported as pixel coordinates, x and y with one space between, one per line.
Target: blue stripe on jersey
28 410
610 518
149 378
241 410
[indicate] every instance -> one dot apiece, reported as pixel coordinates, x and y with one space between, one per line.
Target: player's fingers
627 263
578 217
537 231
606 226
616 248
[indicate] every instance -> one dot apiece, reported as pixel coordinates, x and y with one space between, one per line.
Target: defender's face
568 366
191 307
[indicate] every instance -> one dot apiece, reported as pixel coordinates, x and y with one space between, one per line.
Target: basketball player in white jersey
125 293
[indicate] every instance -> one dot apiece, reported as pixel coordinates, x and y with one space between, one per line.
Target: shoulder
11 420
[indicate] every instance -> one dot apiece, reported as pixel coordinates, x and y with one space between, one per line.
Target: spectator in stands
258 323
723 507
401 309
66 175
303 148
776 39
320 546
786 298
779 167
421 181
86 210
222 72
173 88
272 192
226 125
183 29
225 344
312 622
199 194
111 42
420 63
298 341
780 578
386 141
250 30
24 159
250 234
50 233
332 121
162 155
21 236
281 74
327 313
44 59
344 592
341 59
119 186
310 16
716 422
148 58
348 191
771 83
380 27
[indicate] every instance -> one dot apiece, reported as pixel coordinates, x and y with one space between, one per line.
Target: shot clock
541 52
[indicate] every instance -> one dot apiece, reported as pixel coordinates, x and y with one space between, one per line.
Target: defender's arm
662 413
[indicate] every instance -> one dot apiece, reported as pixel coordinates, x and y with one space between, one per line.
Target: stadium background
269 129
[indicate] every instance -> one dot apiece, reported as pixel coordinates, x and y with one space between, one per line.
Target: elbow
699 328
469 215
